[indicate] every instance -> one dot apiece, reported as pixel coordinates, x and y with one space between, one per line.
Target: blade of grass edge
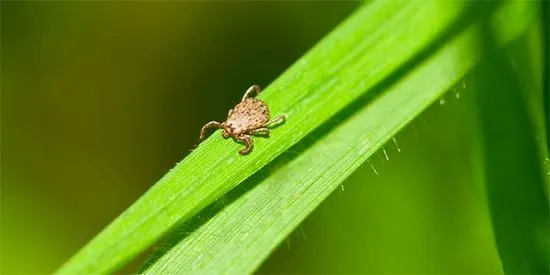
241 236
343 66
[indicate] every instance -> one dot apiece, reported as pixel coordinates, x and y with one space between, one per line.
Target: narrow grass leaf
514 148
366 48
242 235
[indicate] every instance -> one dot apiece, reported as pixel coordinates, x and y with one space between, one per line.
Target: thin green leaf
514 146
545 22
356 56
242 235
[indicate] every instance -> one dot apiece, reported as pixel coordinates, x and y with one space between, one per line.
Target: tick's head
227 132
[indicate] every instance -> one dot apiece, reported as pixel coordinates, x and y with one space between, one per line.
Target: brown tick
249 117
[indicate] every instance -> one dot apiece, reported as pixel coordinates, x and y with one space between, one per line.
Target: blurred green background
100 99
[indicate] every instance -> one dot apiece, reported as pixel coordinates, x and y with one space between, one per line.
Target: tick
249 117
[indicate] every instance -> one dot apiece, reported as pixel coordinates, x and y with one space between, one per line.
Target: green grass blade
357 55
514 146
545 22
241 236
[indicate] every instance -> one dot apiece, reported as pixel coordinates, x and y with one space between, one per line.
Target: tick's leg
211 124
260 131
247 141
275 121
253 89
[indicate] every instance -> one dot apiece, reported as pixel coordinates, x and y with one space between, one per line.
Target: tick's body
251 113
249 117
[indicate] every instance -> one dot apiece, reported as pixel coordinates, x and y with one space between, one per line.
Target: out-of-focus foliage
100 99
511 116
